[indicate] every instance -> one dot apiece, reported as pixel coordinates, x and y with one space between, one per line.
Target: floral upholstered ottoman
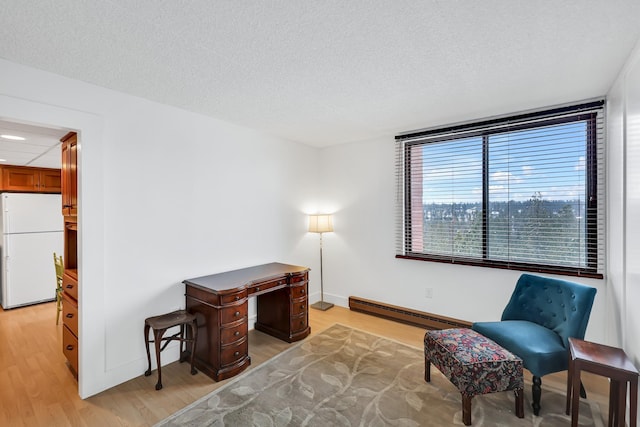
474 364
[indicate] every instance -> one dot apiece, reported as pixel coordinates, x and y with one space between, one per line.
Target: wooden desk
220 303
609 362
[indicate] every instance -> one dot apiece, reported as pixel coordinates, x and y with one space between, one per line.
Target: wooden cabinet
70 283
70 174
31 180
220 303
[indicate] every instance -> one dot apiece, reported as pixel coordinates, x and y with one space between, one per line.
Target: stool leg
633 401
146 344
466 410
194 340
182 338
519 402
158 337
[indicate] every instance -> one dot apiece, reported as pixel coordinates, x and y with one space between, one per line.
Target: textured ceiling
335 71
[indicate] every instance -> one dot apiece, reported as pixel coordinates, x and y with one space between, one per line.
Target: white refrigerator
32 227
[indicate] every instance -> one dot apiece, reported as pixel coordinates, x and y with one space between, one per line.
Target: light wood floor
37 389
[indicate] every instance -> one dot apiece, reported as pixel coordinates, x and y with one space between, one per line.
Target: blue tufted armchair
537 322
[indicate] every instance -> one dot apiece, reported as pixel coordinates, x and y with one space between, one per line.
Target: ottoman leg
466 410
519 402
427 370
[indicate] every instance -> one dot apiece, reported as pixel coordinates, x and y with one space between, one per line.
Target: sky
549 161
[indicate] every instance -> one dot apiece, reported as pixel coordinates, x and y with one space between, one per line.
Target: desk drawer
299 291
261 287
298 323
70 348
233 314
232 354
298 307
299 278
232 298
233 334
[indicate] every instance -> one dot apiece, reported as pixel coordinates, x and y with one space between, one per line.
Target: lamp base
322 305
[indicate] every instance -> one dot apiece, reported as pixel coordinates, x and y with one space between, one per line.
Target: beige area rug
347 377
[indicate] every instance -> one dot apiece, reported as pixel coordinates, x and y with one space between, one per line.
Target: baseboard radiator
405 315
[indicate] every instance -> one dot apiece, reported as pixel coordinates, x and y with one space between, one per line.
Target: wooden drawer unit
70 348
220 303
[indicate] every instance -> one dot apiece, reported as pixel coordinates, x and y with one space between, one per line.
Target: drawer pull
69 286
280 282
258 289
302 322
69 347
237 353
302 291
236 333
237 298
302 306
236 314
69 316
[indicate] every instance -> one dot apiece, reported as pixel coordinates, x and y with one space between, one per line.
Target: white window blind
523 192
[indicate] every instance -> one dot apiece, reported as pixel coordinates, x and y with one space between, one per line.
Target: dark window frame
562 115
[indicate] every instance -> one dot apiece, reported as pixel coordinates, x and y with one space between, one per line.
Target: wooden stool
608 362
160 324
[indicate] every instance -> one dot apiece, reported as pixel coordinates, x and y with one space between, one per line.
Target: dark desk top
244 277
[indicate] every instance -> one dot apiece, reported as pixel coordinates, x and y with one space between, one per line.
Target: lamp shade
320 223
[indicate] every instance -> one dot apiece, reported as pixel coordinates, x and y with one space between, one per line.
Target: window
524 192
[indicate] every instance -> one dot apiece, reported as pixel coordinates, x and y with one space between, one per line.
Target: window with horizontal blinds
522 192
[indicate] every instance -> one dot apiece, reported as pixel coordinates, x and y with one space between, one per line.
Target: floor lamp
321 224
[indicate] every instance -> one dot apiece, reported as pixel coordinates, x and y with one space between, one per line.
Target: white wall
624 205
165 195
360 255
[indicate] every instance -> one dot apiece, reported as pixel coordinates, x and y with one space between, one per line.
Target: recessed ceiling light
13 137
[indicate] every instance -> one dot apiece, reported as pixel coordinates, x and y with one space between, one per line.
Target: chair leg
536 389
427 369
158 337
146 344
583 392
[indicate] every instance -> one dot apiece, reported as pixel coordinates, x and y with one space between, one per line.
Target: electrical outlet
428 292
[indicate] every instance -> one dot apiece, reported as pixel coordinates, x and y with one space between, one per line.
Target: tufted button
573 296
549 301
573 309
562 305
